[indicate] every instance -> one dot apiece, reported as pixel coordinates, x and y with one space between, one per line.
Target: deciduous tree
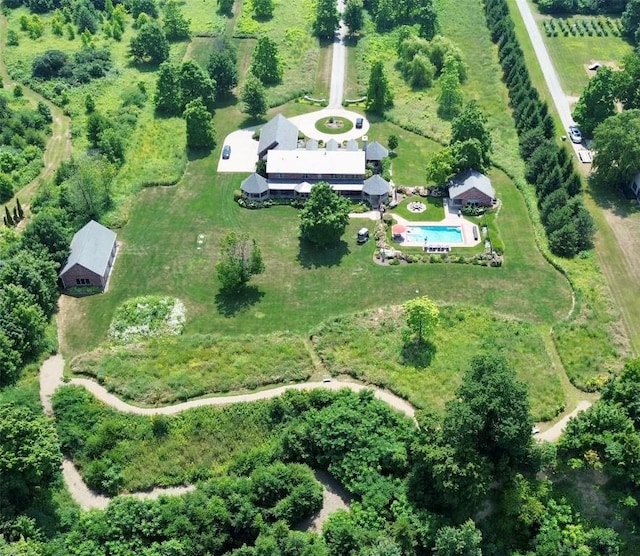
240 259
263 9
463 540
327 19
265 62
200 131
616 143
353 16
175 24
194 84
51 230
29 454
168 98
222 69
150 44
253 96
472 124
21 321
596 103
325 216
450 97
441 166
422 316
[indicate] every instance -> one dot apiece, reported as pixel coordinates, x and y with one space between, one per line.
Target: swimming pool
434 234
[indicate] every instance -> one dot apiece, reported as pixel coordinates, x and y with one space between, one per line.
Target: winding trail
59 146
51 378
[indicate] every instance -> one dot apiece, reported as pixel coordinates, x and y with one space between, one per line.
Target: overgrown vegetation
170 369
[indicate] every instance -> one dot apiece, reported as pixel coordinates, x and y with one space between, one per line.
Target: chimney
365 142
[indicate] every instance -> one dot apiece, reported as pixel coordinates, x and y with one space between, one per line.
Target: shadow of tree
230 303
198 154
621 200
312 256
417 353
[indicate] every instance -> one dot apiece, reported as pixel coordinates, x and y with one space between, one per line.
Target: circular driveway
244 149
306 123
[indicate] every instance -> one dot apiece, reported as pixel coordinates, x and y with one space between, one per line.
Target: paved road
338 63
546 65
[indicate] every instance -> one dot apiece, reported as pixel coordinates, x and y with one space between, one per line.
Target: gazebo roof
254 184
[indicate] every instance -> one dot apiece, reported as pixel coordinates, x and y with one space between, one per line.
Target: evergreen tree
7 216
175 24
379 96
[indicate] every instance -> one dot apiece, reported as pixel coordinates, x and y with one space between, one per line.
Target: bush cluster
581 6
86 64
549 167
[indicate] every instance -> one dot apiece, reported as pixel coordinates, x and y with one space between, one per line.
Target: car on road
574 134
359 123
226 152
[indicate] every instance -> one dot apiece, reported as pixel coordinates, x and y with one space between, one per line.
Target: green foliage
596 103
422 317
240 259
326 20
36 273
325 216
472 124
353 16
150 45
441 166
29 456
50 230
379 95
265 62
263 9
254 101
171 369
617 150
87 193
463 540
196 84
200 131
450 97
147 316
222 68
167 97
22 321
176 25
225 7
631 21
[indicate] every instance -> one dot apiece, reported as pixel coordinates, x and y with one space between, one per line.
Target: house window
78 281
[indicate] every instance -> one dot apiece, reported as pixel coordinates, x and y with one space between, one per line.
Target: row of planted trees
549 167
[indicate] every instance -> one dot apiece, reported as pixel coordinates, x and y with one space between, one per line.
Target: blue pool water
434 234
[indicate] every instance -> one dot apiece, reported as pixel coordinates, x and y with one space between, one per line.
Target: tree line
549 167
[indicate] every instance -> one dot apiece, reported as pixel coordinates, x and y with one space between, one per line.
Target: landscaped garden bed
334 125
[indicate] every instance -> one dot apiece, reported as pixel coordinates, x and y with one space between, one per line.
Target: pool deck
451 218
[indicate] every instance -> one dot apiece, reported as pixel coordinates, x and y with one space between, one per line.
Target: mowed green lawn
300 287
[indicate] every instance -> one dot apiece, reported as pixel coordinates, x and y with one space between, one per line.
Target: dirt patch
334 497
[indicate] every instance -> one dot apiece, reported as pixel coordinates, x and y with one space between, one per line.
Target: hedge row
549 167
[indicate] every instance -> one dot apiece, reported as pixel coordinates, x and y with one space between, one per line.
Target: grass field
572 56
369 347
299 287
171 369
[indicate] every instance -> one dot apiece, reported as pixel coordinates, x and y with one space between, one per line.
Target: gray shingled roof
332 145
468 180
312 145
278 133
375 185
254 184
91 248
352 145
375 151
